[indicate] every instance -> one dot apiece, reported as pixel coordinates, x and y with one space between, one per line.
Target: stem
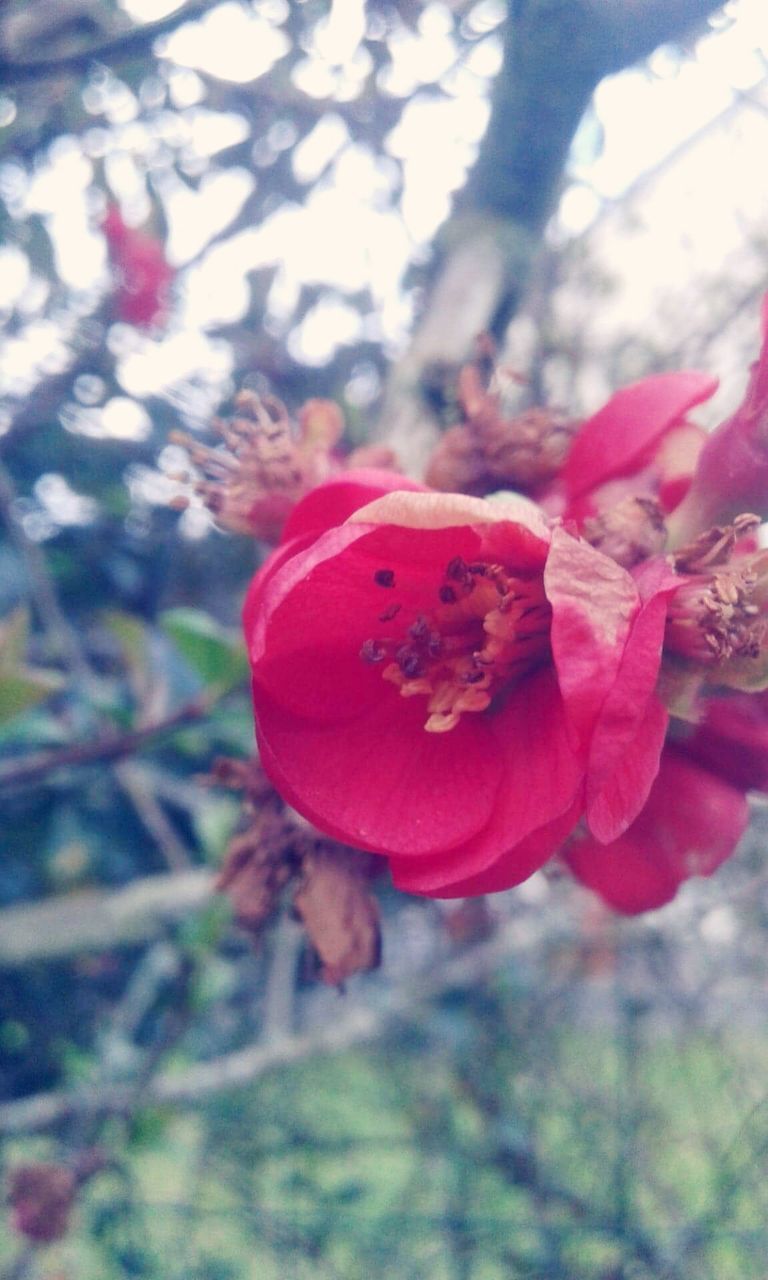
41 763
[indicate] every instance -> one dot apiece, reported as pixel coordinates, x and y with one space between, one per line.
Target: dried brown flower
273 848
339 913
715 545
490 451
628 532
260 858
268 463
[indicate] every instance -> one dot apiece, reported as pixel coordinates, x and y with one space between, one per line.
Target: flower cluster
471 685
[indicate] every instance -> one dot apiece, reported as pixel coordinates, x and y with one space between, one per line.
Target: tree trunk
555 54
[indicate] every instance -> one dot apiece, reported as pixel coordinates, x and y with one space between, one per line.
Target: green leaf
133 637
20 690
215 821
21 687
214 654
149 1127
200 933
130 633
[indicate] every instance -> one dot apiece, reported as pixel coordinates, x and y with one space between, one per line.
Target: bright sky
342 237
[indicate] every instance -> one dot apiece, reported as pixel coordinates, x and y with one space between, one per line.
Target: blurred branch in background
555 55
36 766
97 919
363 1021
63 642
38 28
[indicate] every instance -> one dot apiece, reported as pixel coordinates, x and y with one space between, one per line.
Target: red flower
446 681
639 445
143 275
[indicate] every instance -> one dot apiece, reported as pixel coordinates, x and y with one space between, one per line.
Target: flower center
487 630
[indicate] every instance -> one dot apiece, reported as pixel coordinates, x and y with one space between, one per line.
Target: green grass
406 1161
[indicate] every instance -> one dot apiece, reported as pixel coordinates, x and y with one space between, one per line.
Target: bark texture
556 52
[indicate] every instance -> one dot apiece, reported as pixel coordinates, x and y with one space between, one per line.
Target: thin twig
361 1023
65 641
280 986
41 588
39 764
124 45
136 784
99 919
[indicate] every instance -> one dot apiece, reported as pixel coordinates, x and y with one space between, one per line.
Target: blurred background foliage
531 1089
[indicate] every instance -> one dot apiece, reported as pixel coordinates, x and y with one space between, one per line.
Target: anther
459 658
458 570
372 651
410 663
425 638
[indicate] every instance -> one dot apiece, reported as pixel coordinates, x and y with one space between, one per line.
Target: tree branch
361 1023
34 767
99 919
137 785
632 29
122 46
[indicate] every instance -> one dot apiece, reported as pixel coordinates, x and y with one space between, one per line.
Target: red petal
540 780
333 501
732 472
655 577
594 602
732 740
255 593
380 781
620 434
675 460
614 805
285 569
307 627
428 510
690 825
629 735
510 869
